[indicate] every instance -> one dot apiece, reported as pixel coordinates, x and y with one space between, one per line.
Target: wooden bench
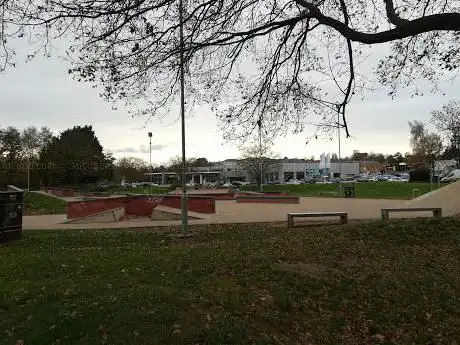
291 216
437 212
327 193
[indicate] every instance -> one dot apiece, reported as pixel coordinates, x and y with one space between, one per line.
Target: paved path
229 211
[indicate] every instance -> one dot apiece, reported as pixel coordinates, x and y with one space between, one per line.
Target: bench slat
317 214
437 211
290 216
412 209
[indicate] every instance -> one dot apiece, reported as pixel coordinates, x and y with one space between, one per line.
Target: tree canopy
447 122
256 160
75 157
289 62
426 146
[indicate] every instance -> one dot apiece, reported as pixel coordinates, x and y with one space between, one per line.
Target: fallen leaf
379 337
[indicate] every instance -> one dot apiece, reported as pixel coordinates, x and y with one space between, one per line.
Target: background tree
34 140
376 157
175 165
131 49
75 157
447 122
201 162
395 160
359 156
426 147
256 160
132 168
11 150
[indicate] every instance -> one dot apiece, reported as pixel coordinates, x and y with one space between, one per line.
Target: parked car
126 184
398 179
294 181
241 183
454 175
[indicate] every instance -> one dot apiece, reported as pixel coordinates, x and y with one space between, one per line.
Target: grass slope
393 283
371 190
39 204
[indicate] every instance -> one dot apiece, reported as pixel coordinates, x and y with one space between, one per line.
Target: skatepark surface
229 211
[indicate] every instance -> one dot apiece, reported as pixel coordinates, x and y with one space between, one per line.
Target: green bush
420 175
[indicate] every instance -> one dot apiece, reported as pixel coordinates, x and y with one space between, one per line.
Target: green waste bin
349 191
11 206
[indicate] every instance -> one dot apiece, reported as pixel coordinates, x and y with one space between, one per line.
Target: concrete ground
229 211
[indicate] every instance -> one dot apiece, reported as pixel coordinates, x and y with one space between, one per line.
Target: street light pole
340 157
260 156
28 172
184 211
151 168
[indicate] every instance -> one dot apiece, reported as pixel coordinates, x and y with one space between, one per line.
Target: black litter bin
11 205
349 191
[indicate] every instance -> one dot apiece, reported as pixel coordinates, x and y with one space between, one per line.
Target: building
287 169
231 170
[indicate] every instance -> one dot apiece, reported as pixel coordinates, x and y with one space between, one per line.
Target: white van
454 175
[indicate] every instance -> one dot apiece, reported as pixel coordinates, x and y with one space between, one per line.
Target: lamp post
184 211
151 168
261 176
28 172
340 157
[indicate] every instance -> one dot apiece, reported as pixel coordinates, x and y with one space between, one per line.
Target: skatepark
224 206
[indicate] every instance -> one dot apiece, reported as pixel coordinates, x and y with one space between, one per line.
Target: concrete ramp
448 198
109 216
168 213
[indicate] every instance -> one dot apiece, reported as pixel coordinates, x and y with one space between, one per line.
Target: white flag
322 161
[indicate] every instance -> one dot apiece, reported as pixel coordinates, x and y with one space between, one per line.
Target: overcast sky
41 93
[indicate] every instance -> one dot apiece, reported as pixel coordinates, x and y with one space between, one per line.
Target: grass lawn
142 190
38 204
372 190
374 283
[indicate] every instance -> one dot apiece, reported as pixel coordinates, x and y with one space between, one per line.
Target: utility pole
260 156
151 168
184 211
28 172
340 157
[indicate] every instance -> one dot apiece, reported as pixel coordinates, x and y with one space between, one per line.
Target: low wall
140 206
263 193
104 217
216 196
62 192
196 203
276 193
97 194
268 199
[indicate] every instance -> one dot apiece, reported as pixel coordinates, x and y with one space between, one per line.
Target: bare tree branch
292 63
